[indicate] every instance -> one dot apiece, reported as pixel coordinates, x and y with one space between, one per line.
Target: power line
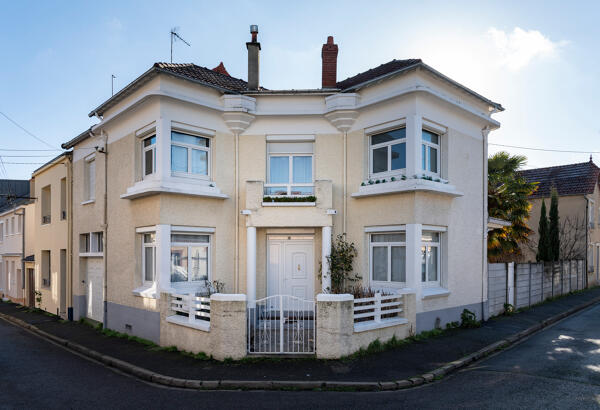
26 150
545 149
23 163
27 156
22 128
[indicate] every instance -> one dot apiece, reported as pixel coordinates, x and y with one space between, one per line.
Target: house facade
578 208
15 218
51 235
195 180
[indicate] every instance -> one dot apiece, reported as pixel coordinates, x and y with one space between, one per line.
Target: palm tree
508 199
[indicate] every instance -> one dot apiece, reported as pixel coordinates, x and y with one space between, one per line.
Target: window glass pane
280 170
433 167
432 264
179 271
380 160
428 236
388 237
179 159
423 266
302 190
148 162
149 263
149 237
188 238
150 141
380 261
199 162
398 156
198 263
424 157
388 136
189 139
398 264
302 170
276 190
429 137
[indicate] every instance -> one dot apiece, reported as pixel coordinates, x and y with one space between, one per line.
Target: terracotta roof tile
379 71
571 179
205 75
221 69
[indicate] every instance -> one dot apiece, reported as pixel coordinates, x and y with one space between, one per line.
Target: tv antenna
112 84
174 37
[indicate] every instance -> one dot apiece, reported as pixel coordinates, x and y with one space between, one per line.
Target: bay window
430 258
189 155
149 155
289 168
388 152
388 257
189 257
430 152
149 257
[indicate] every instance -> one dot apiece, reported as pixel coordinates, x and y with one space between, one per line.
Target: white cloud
520 47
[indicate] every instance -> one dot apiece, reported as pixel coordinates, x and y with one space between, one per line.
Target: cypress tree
544 239
554 227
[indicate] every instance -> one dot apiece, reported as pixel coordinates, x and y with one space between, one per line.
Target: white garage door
94 288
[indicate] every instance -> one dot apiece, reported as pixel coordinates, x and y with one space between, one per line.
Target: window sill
184 321
437 292
173 185
366 326
146 291
91 254
409 185
89 201
289 204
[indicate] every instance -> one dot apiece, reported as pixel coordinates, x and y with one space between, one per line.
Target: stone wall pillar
228 326
335 325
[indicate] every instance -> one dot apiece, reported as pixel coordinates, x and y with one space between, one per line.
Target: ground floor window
189 257
388 257
430 258
149 256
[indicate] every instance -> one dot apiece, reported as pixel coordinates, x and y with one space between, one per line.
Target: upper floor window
289 168
388 152
63 198
189 154
89 188
430 152
46 204
388 257
430 258
1 231
19 224
189 257
91 242
149 155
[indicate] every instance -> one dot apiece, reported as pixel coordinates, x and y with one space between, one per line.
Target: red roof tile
571 179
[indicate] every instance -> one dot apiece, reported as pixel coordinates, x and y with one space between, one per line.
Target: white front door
291 269
95 308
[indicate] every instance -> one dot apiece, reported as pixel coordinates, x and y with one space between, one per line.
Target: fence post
562 268
529 301
378 307
542 298
191 306
552 277
510 288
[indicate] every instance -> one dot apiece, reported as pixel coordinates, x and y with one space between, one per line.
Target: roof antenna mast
174 37
112 84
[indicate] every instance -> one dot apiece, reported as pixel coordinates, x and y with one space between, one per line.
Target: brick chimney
253 59
329 56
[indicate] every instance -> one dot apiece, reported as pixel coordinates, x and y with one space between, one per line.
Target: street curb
431 376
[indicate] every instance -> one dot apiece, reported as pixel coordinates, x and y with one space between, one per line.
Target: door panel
94 289
291 267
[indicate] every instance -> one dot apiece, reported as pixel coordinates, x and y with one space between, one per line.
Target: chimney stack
253 59
329 56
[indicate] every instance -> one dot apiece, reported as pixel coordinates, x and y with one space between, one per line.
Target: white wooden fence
377 309
195 308
525 284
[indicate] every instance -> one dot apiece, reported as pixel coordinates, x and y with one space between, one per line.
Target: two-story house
193 176
16 216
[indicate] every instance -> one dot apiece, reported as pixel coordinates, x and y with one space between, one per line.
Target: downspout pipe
484 180
345 181
70 239
103 150
236 276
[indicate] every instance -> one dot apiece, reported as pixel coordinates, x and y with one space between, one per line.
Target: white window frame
208 245
151 147
290 185
438 282
144 246
12 225
95 247
390 172
389 246
89 190
189 148
427 159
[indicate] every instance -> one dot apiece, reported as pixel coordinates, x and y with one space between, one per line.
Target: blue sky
539 59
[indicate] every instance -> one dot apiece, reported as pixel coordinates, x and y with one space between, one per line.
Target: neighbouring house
51 246
16 211
204 207
578 208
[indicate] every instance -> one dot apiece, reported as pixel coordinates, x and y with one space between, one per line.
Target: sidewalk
401 363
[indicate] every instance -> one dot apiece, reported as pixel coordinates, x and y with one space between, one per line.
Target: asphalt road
557 368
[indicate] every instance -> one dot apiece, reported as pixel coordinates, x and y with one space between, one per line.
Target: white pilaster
325 252
414 125
413 259
251 265
163 148
163 257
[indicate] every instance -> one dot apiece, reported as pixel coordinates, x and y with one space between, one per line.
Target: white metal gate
282 324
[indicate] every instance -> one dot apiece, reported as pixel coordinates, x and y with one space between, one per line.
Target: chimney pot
329 64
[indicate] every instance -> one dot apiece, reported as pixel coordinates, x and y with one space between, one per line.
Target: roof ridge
194 65
561 166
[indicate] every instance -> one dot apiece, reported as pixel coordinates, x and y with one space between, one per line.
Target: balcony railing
377 309
289 189
190 310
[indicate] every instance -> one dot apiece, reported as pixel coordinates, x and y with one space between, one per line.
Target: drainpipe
103 150
70 239
484 133
22 254
587 231
345 180
236 279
